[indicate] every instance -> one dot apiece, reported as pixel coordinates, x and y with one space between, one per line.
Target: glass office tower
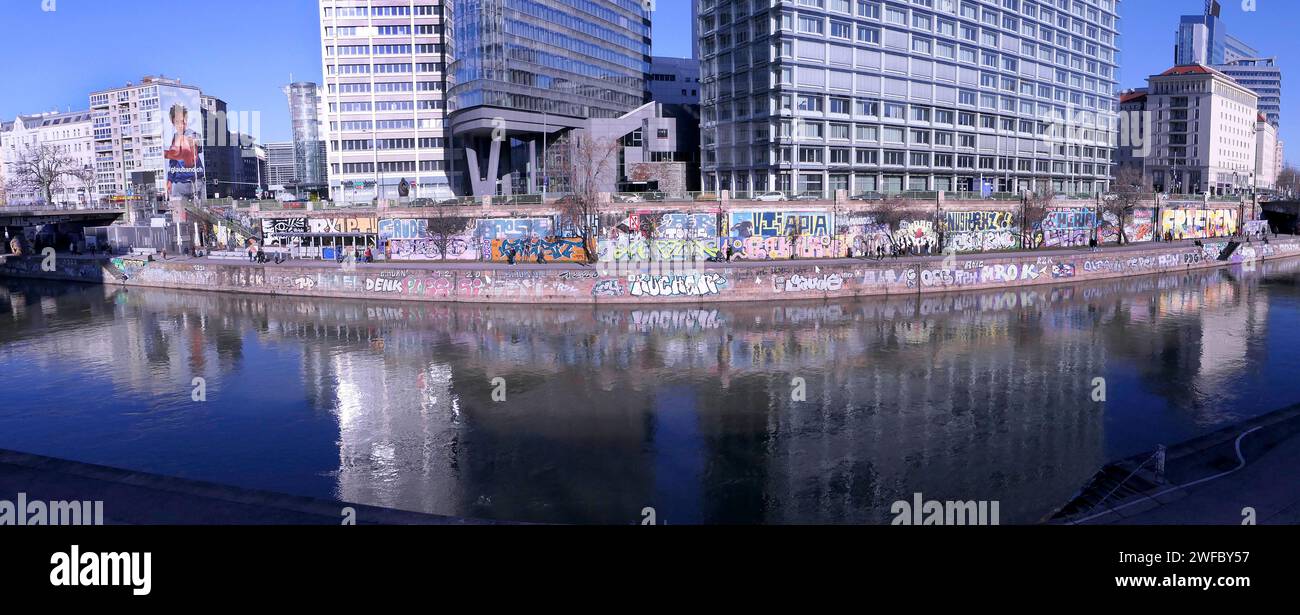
529 70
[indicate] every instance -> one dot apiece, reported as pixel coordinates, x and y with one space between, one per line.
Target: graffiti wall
633 249
743 225
981 231
287 231
1198 223
673 225
487 229
552 250
1065 227
410 240
917 237
1137 228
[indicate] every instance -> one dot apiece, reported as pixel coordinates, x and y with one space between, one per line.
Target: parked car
627 198
771 196
808 197
867 196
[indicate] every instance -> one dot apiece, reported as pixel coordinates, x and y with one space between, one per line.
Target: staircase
1228 250
238 228
1112 485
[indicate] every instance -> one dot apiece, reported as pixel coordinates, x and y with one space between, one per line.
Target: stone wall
604 283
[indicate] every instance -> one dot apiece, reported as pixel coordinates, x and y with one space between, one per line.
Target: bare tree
583 162
1034 208
1288 181
444 228
1127 191
42 170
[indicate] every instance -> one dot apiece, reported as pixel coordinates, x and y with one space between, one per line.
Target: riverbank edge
141 498
716 283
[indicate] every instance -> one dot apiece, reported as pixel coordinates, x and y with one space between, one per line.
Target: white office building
1204 129
384 97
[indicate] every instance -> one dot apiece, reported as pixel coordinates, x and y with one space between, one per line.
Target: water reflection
607 411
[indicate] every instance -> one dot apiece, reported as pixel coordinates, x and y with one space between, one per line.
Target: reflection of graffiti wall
409 239
1068 226
779 223
562 250
981 231
917 237
1198 223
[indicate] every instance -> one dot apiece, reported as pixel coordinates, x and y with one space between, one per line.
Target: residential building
1204 127
527 72
129 124
67 135
888 95
384 63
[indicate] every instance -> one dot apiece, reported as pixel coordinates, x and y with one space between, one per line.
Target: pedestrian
370 256
729 251
510 255
541 255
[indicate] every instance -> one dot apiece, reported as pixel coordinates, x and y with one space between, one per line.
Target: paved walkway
741 264
1269 483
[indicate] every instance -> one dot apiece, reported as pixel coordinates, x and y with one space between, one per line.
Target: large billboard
182 121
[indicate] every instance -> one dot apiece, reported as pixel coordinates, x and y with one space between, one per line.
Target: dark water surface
983 396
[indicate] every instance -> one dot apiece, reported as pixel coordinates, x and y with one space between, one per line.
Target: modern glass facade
888 95
577 58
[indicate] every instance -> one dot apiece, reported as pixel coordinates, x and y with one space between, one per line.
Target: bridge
17 217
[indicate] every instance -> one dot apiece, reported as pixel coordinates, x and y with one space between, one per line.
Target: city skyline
291 49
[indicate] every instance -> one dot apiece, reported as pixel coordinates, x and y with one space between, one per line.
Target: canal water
759 413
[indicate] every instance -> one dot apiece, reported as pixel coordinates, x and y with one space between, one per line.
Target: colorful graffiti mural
410 239
274 230
980 231
1198 223
917 237
1067 227
1138 227
631 249
779 224
555 250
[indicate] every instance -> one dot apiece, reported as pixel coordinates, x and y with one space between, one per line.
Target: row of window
381 11
401 166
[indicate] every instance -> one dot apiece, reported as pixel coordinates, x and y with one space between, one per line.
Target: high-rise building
64 135
889 95
528 71
1267 164
674 81
311 166
1205 131
384 63
1262 76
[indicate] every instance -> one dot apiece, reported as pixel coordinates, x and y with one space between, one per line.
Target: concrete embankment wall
598 284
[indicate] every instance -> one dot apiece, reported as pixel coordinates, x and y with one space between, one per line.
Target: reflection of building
384 79
67 135
1204 132
527 72
815 99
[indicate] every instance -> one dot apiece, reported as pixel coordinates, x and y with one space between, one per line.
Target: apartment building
384 63
816 96
66 135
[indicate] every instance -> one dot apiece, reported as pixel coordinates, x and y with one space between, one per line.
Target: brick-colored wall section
711 282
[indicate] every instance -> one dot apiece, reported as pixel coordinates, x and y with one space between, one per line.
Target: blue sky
243 50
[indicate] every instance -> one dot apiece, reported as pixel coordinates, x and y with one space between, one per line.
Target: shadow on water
778 413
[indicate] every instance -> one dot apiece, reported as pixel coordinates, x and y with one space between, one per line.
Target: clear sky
243 51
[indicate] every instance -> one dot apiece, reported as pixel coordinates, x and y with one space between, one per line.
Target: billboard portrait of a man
183 140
